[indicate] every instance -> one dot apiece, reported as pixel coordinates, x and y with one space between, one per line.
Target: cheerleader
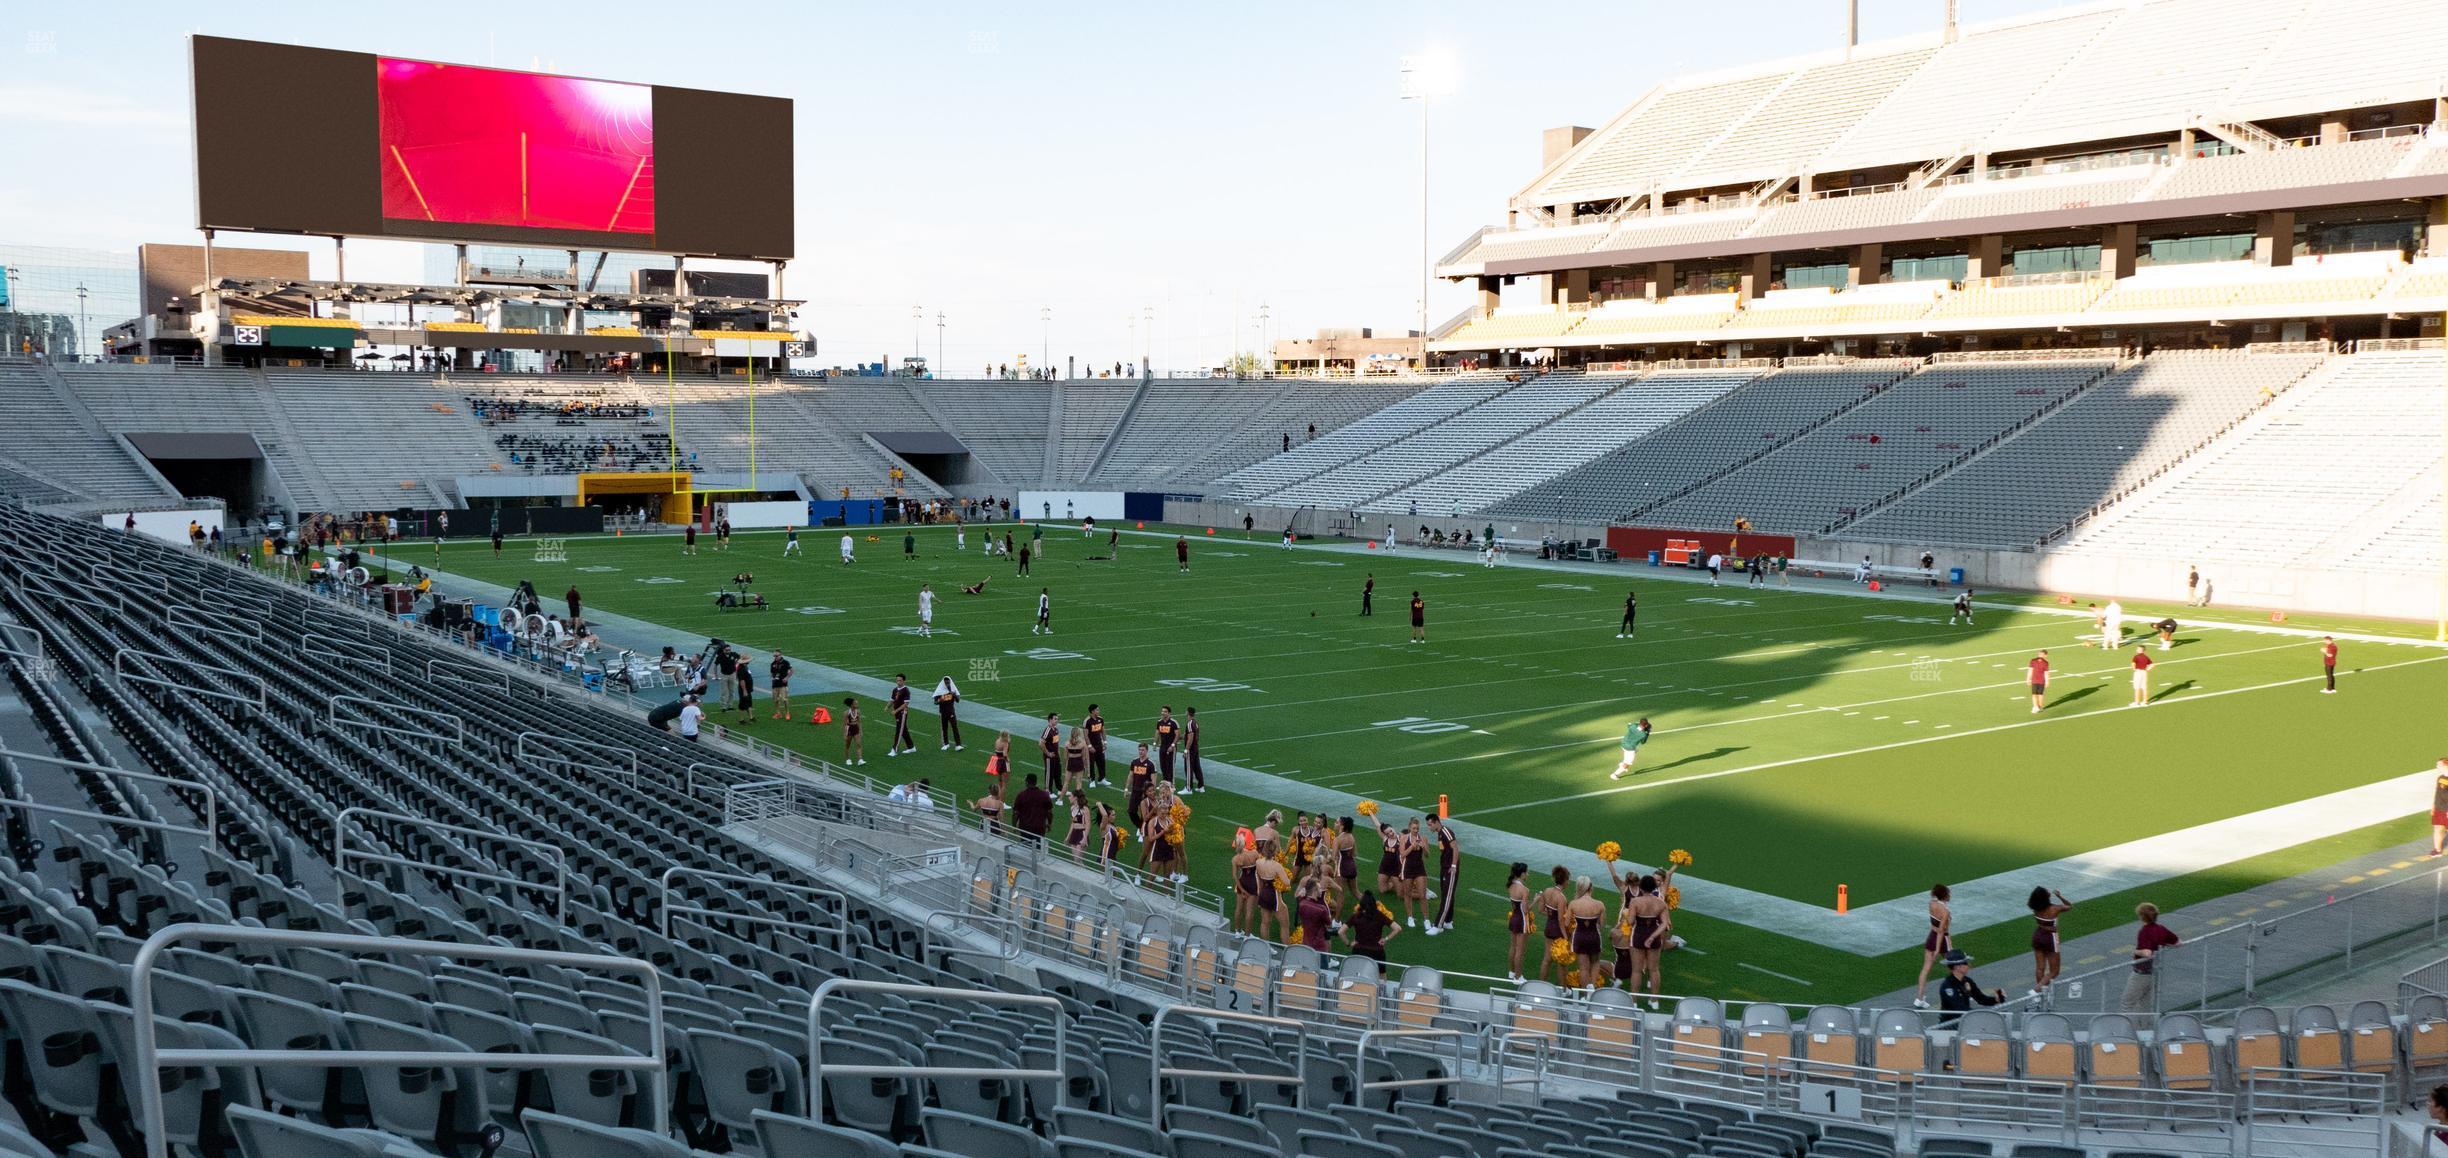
1304 844
1110 836
1266 833
1414 874
1941 938
1347 860
1076 838
1312 915
1517 918
1368 929
990 809
998 763
1156 851
2046 906
1389 862
1179 813
1245 883
1272 881
1550 904
1075 760
1621 933
1585 917
1651 920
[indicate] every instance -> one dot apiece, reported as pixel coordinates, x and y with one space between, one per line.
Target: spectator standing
691 718
1033 809
2329 665
2141 676
2149 940
2439 805
571 597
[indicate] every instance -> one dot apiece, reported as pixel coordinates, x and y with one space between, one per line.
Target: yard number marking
1204 684
1423 726
1044 653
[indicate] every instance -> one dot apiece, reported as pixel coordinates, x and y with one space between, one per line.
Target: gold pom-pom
1674 897
1366 808
1678 858
1609 851
1560 951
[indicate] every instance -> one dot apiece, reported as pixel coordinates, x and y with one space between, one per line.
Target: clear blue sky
984 160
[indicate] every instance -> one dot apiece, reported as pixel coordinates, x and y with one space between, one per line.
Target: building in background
1357 350
57 302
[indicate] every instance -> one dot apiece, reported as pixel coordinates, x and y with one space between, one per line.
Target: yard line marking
1478 814
1773 973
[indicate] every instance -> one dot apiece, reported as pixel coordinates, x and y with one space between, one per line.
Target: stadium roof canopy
2093 74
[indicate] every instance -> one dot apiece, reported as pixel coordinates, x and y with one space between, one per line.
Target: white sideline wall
767 514
1068 506
2385 594
168 526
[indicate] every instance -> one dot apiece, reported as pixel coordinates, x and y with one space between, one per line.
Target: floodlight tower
1425 76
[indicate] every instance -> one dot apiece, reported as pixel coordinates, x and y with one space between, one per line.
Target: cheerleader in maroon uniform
1389 862
1517 919
1586 916
1551 904
2046 905
1941 938
1245 884
1110 834
1077 838
1347 858
1414 874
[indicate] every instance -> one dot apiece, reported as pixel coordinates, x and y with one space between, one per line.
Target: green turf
1804 738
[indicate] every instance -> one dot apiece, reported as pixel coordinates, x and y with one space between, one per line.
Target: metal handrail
1010 944
195 621
663 891
431 674
1158 1071
342 854
457 737
1360 1059
817 1069
378 661
518 748
150 1059
119 670
211 832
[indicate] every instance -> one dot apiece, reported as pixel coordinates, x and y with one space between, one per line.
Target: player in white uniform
926 610
847 556
960 536
1389 538
1045 614
2113 634
790 541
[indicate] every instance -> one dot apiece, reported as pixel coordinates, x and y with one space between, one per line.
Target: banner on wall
168 526
786 513
1068 506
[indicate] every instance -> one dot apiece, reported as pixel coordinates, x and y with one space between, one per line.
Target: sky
1155 175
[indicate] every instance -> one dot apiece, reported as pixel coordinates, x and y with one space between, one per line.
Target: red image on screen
488 147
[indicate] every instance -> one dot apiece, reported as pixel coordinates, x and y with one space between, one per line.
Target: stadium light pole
84 321
917 327
1045 339
1425 76
1147 341
939 355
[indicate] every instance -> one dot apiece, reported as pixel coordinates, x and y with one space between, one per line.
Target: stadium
1906 616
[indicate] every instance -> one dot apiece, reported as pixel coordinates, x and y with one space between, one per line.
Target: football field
1806 737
